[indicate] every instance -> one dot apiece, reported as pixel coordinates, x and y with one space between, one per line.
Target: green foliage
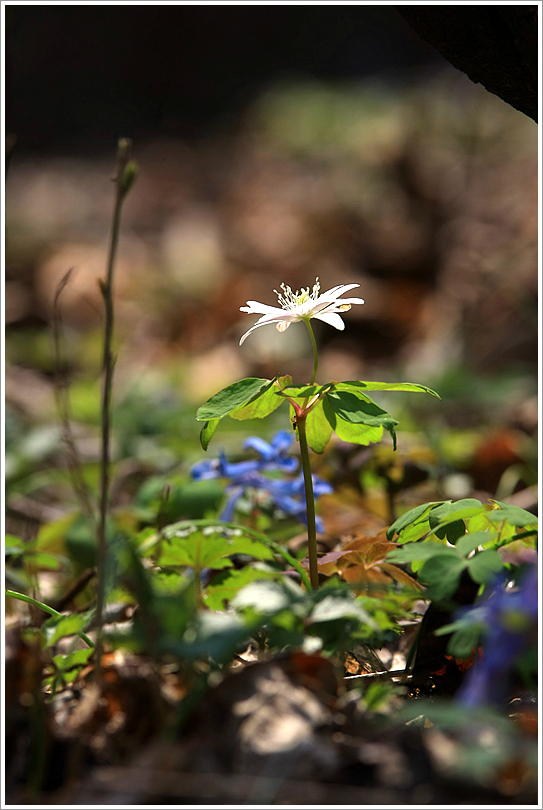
471 534
341 407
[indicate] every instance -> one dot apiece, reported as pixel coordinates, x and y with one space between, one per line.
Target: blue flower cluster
287 495
510 620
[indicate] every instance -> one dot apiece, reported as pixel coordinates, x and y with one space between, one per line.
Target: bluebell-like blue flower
287 495
510 620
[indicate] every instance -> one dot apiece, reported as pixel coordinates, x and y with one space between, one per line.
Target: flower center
292 300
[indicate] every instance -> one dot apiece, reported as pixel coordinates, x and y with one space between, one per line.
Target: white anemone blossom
301 306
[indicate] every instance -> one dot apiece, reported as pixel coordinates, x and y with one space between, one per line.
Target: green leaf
379 386
348 432
78 658
215 635
441 513
318 429
411 517
264 403
59 627
268 597
303 391
209 549
484 566
471 541
228 583
231 397
462 642
513 514
332 608
206 433
442 573
359 409
418 551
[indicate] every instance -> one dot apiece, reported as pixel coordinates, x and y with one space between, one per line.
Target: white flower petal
285 317
335 292
254 307
332 319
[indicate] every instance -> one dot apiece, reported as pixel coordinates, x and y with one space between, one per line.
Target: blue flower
287 495
510 622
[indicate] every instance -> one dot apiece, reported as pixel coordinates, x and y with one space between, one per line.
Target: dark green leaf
410 517
418 551
484 566
462 642
441 513
471 541
233 396
442 573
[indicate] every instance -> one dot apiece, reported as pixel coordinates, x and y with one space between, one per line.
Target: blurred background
275 144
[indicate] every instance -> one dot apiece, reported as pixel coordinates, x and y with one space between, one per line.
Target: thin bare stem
125 174
61 395
310 504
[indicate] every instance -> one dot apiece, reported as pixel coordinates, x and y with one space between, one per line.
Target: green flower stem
310 503
46 609
315 352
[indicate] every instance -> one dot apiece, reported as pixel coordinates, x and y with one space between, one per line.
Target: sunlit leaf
318 429
264 403
233 396
379 386
206 433
56 628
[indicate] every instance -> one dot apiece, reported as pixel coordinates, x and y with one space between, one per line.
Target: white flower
301 306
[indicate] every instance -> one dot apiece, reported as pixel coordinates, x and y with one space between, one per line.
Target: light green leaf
348 432
204 549
303 391
78 658
318 429
379 386
206 433
58 627
233 396
264 403
484 566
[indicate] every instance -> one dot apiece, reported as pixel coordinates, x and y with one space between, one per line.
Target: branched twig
124 177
